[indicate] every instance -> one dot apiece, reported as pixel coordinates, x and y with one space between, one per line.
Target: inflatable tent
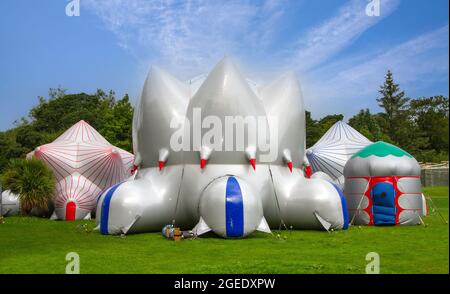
196 184
84 164
332 151
382 186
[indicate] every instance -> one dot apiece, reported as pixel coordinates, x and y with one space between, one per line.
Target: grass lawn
33 245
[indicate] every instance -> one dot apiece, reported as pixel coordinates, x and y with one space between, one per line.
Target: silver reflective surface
9 204
334 149
402 172
189 196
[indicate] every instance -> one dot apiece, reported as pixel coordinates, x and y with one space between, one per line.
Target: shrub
32 180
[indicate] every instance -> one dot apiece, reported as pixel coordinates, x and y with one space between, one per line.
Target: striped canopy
84 163
331 152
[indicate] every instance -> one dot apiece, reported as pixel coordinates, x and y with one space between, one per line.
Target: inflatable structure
331 152
382 186
84 164
195 171
9 203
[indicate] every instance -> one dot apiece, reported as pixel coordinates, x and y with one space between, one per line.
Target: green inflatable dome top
381 149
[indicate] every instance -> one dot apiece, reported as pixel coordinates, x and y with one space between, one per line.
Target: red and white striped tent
84 165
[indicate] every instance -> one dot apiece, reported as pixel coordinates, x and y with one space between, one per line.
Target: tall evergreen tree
395 122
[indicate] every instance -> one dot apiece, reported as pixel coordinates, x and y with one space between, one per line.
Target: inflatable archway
382 186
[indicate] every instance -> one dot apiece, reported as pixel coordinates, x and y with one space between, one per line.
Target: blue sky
338 52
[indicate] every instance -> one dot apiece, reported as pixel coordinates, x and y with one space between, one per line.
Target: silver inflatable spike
283 102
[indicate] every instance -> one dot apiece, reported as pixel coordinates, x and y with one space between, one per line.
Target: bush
32 180
431 156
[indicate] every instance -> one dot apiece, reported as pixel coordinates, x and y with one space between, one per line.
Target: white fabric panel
361 218
409 217
331 152
356 185
410 201
424 205
84 164
354 200
409 185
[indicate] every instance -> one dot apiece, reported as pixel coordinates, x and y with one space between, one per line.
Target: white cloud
334 34
351 84
188 36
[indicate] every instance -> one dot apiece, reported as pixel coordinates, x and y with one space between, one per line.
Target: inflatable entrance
382 186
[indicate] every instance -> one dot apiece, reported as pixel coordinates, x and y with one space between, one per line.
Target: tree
113 119
394 121
117 127
430 118
327 122
9 148
312 130
52 116
366 123
64 110
32 180
316 129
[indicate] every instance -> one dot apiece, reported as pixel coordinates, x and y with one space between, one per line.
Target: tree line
420 126
110 116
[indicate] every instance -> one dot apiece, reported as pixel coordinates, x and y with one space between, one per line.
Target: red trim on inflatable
71 208
289 164
133 169
394 181
367 195
397 196
390 179
308 171
368 209
253 163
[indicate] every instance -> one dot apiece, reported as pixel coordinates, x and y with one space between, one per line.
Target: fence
434 174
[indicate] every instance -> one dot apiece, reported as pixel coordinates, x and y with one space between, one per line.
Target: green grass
33 245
